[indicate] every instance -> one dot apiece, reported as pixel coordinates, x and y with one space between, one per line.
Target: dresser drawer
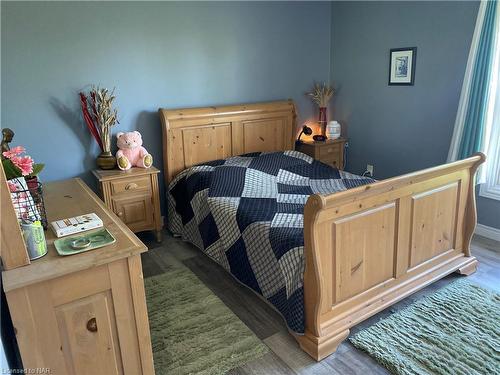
142 184
328 152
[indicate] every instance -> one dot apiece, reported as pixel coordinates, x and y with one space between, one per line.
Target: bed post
471 216
315 341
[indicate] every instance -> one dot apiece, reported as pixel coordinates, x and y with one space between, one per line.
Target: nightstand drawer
142 184
330 152
335 163
333 160
327 152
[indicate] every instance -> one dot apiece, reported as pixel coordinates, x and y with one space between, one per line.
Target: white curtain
490 173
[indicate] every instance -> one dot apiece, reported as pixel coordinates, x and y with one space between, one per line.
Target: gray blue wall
195 54
488 211
156 54
401 129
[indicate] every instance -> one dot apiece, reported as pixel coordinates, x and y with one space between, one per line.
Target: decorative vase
333 130
106 160
322 120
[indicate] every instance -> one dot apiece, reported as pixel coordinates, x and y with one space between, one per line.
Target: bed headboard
196 135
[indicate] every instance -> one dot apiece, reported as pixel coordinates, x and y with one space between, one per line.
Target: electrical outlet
369 169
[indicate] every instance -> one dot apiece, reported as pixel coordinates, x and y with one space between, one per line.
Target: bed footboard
369 247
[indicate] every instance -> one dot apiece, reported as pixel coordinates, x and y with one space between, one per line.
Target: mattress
246 213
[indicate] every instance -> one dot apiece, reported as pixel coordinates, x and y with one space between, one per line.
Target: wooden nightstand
133 195
330 152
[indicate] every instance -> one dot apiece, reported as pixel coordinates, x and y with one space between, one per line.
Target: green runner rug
453 331
192 330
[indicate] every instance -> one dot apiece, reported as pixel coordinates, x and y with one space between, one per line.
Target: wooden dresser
330 152
134 196
79 314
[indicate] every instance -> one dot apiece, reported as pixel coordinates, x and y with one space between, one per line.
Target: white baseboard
488 232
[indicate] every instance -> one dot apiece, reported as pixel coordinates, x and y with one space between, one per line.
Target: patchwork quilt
246 213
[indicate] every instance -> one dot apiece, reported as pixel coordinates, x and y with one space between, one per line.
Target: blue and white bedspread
246 213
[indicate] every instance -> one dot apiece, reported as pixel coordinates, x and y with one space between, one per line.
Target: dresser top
65 199
112 174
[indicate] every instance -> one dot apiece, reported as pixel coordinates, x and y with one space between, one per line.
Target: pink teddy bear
131 153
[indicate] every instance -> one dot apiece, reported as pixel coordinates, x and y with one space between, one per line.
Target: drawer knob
92 325
120 213
131 186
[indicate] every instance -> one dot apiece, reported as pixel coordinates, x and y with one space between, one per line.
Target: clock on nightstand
133 195
330 152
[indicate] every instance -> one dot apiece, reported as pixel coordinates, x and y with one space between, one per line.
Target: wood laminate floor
285 356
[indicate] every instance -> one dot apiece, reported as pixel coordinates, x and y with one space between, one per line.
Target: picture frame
402 63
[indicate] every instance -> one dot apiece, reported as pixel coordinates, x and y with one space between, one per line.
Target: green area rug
453 331
192 331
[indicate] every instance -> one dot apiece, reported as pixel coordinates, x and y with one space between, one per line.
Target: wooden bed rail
368 247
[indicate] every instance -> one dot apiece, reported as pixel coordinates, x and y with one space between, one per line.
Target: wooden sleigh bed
365 248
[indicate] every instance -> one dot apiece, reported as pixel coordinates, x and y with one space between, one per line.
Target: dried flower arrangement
321 94
100 116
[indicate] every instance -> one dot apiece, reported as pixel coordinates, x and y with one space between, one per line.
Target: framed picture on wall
402 66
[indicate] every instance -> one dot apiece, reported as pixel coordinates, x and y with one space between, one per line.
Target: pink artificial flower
12 187
16 151
24 163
